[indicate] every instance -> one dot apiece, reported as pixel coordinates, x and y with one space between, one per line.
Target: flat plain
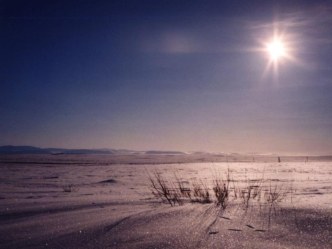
106 201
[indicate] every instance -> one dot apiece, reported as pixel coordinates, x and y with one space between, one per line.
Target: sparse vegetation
221 189
201 192
249 194
162 189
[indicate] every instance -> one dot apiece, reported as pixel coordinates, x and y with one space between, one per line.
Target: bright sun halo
279 48
276 49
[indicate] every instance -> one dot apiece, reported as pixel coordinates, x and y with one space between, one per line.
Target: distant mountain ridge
10 149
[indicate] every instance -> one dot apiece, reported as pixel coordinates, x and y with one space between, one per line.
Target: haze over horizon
166 75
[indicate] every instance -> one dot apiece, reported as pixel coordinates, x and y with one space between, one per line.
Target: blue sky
166 75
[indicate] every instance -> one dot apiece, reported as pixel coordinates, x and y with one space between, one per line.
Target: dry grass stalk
255 193
201 193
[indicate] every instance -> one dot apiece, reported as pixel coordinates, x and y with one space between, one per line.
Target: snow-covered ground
81 201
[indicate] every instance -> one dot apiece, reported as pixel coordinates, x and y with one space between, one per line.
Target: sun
276 49
280 46
279 51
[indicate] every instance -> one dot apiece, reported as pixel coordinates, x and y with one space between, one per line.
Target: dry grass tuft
201 192
251 194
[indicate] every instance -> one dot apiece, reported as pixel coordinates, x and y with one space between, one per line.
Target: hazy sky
166 75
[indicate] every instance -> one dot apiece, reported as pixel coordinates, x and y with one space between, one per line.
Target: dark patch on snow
108 181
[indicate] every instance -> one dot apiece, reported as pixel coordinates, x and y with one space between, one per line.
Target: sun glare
279 46
276 49
279 49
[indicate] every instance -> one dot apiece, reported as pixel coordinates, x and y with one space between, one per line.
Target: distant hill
160 152
9 149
